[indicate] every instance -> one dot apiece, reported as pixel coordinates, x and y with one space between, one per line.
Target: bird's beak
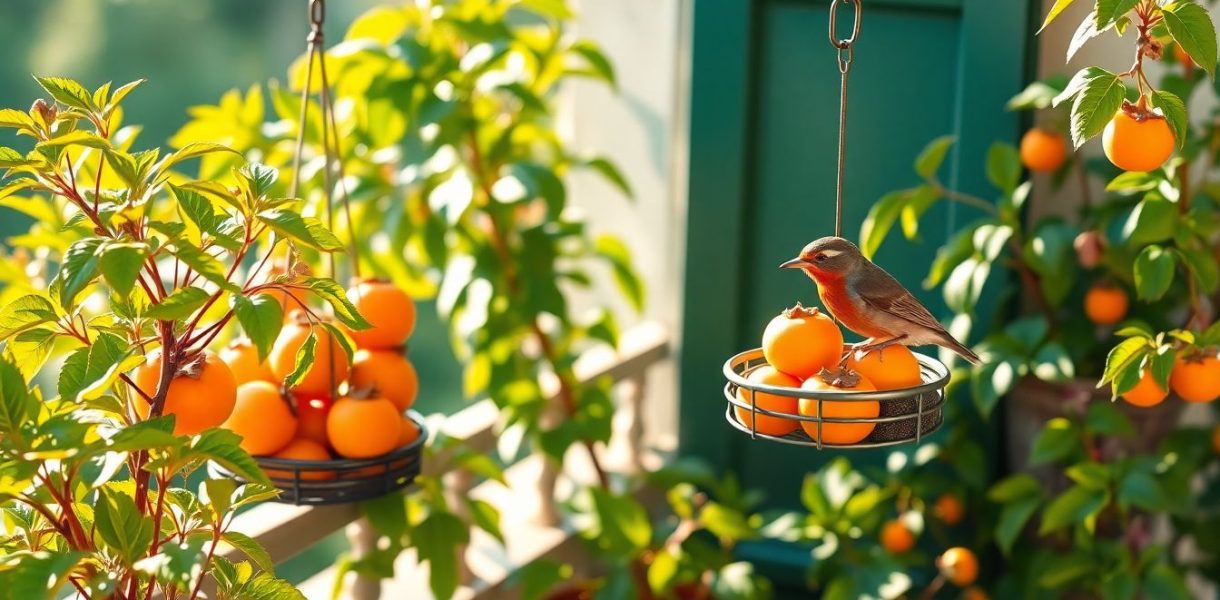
796 263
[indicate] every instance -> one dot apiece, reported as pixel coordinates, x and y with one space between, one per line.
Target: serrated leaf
1077 83
67 92
1124 354
1174 111
1087 30
224 447
1056 9
16 119
1095 106
25 313
206 265
251 548
1110 11
308 231
304 360
16 402
1191 27
77 270
76 138
336 297
121 93
123 528
121 263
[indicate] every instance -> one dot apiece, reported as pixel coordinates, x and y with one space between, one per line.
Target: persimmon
262 418
1147 392
802 341
242 357
410 432
1196 378
974 593
959 565
889 368
302 449
767 424
201 394
1137 140
311 417
1105 304
1090 247
896 537
387 371
1043 150
839 433
329 366
388 309
363 427
949 509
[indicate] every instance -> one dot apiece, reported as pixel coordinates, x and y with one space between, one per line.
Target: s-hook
845 47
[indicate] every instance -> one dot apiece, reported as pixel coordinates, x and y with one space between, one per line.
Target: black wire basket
905 415
341 480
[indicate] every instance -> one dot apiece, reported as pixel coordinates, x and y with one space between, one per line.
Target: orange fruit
1105 304
896 538
311 417
363 427
1138 143
327 351
949 509
782 404
1196 379
388 309
802 341
1147 392
242 357
1043 150
839 433
959 565
410 432
974 593
201 394
262 418
302 449
388 372
890 368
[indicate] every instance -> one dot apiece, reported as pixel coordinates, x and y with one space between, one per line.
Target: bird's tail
962 350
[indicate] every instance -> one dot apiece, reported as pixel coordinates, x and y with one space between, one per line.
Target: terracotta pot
1033 402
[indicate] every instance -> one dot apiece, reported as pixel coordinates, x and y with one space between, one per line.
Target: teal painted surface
764 113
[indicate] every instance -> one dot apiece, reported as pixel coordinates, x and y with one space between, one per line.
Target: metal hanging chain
845 57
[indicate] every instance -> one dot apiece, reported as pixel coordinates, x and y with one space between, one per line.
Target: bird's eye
820 258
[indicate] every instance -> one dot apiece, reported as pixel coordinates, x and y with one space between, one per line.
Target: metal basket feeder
906 415
342 480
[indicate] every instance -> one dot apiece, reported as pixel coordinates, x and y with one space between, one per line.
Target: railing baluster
548 513
363 539
633 434
458 484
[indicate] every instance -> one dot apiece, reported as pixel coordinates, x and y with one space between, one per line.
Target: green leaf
726 523
1154 219
1053 363
933 156
304 361
257 178
1153 272
189 151
308 231
539 577
97 367
224 447
68 92
1015 487
1077 506
25 313
1096 105
37 575
1109 11
206 265
76 138
182 303
608 170
1037 95
121 263
1057 8
1087 30
1175 114
596 60
119 94
16 403
436 540
1057 441
1066 569
1094 476
993 379
485 516
261 318
1127 352
251 548
30 349
1013 517
1004 167
1191 27
336 297
1105 419
1141 489
1202 267
619 256
622 526
121 526
197 207
77 271
16 119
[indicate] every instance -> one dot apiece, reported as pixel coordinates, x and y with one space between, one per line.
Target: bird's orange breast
848 309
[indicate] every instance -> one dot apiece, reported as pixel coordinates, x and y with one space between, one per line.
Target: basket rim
812 443
930 407
934 373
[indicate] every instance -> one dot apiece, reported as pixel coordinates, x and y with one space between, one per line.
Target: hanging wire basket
342 480
905 415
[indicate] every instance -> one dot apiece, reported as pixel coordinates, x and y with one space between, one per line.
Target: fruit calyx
1140 111
800 312
191 366
840 378
364 393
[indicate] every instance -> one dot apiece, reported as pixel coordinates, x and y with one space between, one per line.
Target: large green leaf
121 263
1077 506
1004 167
1153 272
207 266
121 526
16 403
178 305
933 156
1154 219
1174 110
1058 7
336 297
37 575
77 271
1013 517
308 231
250 547
437 539
1095 106
261 319
622 526
1057 441
24 313
1109 11
1191 27
67 92
89 372
619 256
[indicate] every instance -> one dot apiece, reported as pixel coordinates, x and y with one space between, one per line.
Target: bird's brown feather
881 291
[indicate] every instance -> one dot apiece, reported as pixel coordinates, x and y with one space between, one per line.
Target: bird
868 301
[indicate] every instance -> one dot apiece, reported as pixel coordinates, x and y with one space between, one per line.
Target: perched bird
869 301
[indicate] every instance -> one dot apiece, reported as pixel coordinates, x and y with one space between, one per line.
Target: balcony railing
531 523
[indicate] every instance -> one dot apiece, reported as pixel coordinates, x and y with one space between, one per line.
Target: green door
764 114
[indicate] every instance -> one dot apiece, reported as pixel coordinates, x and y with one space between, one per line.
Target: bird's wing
881 291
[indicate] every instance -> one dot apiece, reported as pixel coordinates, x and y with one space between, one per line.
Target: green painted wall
764 115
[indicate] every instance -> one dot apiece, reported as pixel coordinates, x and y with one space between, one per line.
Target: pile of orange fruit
802 347
339 408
